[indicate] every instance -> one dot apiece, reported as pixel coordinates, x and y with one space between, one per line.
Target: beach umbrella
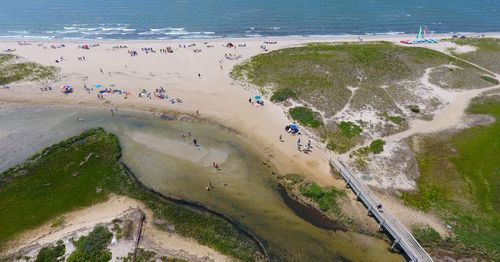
98 86
257 97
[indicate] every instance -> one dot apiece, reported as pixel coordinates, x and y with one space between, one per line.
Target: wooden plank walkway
401 236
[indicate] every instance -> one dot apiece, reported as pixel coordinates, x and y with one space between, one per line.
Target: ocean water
166 19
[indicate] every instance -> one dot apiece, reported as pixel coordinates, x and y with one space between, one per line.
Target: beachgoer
281 138
250 100
199 75
182 134
195 142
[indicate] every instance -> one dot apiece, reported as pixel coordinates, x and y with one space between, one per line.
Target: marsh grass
460 181
53 182
425 235
325 197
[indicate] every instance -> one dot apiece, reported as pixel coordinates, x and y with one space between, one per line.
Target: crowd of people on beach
119 46
232 56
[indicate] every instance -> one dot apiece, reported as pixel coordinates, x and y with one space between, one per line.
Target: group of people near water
307 148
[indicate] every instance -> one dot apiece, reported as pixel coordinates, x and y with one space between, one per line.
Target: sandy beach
196 73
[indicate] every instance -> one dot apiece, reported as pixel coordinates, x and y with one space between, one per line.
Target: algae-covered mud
244 186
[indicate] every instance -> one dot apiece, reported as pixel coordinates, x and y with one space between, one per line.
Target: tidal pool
244 187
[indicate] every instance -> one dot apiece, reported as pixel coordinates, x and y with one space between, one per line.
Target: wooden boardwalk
400 235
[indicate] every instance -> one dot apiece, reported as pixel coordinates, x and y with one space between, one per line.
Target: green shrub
490 79
281 95
426 235
93 247
51 253
395 119
349 129
326 198
306 116
414 109
377 146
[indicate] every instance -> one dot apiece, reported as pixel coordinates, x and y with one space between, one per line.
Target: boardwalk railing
402 237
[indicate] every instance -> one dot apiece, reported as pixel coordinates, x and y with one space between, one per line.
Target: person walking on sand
199 75
195 142
298 144
281 138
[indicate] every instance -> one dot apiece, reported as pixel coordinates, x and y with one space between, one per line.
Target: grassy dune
460 181
84 170
376 76
487 54
321 73
13 70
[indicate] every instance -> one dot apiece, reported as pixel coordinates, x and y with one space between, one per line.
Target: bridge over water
397 231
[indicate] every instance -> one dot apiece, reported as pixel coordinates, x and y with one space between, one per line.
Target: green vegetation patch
306 116
458 78
93 247
396 119
326 198
11 70
320 74
377 146
349 129
281 95
460 181
487 54
414 108
490 79
426 235
54 182
52 253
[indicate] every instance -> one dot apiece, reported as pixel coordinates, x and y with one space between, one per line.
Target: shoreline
311 37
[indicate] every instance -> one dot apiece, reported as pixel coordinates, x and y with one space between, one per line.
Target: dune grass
12 70
342 136
487 54
460 181
60 179
281 95
321 73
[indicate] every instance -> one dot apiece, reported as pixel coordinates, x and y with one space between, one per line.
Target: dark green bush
281 95
306 116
